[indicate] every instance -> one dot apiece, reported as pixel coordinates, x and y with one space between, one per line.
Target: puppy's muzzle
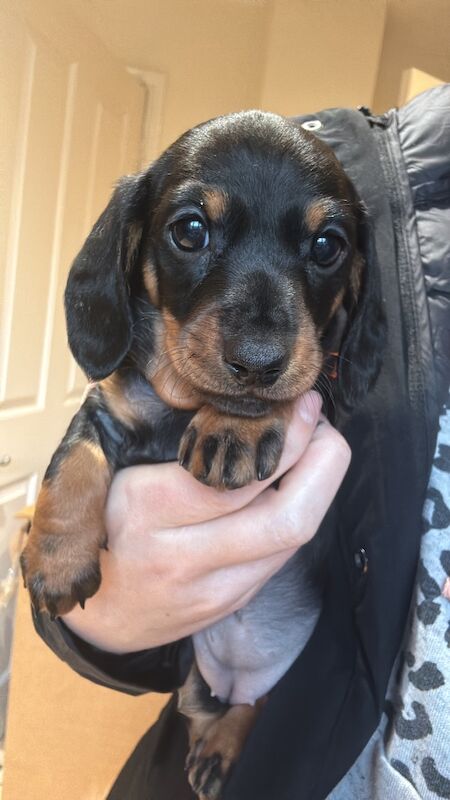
254 363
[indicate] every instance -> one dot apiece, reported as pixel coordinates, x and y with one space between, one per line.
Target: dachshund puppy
205 300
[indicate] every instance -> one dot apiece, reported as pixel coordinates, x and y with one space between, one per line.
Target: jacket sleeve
159 669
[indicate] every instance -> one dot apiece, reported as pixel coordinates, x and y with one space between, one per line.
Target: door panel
71 121
74 123
44 92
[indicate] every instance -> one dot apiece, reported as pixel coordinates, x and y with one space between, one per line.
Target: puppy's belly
244 655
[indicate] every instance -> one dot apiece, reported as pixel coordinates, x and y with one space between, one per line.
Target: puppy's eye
190 233
326 249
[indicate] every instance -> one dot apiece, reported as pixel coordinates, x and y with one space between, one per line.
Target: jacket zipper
385 131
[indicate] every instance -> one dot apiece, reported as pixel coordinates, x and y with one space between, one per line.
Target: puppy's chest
242 656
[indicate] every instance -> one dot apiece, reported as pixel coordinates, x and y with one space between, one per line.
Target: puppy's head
230 259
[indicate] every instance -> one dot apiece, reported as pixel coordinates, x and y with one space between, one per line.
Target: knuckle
337 446
138 491
342 451
208 606
288 530
161 570
166 570
212 502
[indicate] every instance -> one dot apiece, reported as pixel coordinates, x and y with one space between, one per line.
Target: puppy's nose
255 362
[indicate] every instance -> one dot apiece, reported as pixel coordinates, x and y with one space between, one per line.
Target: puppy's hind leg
217 734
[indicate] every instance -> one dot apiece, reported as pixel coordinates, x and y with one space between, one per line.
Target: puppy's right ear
98 314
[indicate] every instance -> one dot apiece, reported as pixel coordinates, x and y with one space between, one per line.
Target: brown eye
190 234
326 249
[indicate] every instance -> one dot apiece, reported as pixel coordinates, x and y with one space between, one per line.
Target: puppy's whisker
168 366
323 384
178 379
178 375
172 356
343 358
177 382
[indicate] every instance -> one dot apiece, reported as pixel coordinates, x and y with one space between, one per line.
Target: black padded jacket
324 710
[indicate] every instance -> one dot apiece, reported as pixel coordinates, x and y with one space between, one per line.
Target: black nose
255 362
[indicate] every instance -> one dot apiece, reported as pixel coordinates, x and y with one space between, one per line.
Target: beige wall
322 53
211 51
417 35
290 56
414 82
67 738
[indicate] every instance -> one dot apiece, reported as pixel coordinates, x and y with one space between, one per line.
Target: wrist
94 627
104 622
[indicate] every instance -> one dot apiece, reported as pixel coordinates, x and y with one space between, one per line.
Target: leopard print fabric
408 757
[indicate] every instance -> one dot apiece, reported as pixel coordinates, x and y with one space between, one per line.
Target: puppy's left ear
98 314
364 338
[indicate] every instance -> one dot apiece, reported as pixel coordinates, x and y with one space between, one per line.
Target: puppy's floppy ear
98 314
364 338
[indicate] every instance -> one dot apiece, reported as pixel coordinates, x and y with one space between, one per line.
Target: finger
308 490
171 496
275 521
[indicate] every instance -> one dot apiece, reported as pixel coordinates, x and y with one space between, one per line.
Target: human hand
182 555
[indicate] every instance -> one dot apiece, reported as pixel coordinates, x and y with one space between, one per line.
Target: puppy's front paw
229 452
57 573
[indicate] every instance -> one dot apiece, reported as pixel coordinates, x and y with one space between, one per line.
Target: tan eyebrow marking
316 214
216 202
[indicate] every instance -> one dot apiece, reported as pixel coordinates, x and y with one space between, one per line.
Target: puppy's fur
205 300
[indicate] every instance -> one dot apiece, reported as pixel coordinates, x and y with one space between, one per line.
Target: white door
71 120
70 125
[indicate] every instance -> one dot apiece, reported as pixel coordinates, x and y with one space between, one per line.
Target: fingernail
309 407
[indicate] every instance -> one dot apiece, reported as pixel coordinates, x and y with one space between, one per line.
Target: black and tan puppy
202 304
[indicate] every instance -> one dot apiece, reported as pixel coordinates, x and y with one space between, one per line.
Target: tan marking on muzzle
305 362
165 371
